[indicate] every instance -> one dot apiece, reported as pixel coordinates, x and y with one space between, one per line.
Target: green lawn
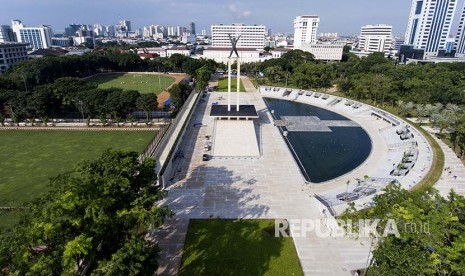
223 85
141 83
29 158
237 247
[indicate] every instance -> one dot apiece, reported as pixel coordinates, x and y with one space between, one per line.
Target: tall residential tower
460 37
429 25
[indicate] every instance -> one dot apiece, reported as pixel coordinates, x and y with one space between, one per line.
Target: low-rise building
325 51
12 53
178 50
161 52
221 55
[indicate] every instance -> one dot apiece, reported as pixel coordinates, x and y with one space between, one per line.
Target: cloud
238 12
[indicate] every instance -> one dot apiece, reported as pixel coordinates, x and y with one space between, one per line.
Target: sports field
29 158
139 82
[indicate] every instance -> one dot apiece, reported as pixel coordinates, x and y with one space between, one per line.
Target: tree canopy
95 220
431 238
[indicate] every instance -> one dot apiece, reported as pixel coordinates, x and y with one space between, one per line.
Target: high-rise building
429 25
125 26
399 41
252 36
37 37
460 37
269 33
375 38
72 29
305 30
10 54
172 31
6 34
109 31
192 28
62 41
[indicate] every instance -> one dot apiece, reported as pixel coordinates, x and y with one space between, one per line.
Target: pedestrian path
263 188
81 128
453 174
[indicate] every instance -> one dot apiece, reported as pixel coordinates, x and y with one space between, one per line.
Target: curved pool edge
407 182
297 159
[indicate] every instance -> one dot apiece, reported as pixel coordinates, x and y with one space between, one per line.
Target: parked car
205 157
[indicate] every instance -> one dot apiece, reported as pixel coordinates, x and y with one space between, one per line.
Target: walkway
448 180
122 128
271 187
265 188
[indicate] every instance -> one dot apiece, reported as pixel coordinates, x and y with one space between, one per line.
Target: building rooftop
308 16
49 52
239 49
12 44
245 111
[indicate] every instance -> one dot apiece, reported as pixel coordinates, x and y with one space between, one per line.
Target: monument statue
234 41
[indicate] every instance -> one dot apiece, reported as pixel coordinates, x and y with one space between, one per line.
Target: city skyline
273 15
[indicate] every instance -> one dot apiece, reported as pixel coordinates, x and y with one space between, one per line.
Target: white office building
10 54
325 51
252 36
36 37
305 30
429 25
375 38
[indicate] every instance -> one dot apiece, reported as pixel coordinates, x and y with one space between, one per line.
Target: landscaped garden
238 247
139 82
29 158
223 85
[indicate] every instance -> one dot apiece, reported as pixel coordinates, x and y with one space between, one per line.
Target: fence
155 142
164 153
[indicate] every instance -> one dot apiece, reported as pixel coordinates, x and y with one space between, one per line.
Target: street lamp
81 109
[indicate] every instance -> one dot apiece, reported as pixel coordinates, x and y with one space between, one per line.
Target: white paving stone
271 186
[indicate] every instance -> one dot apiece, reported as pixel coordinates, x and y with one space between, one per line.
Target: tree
294 58
203 77
119 103
93 103
94 220
273 73
17 102
405 108
267 49
147 102
431 232
42 103
176 61
310 75
421 112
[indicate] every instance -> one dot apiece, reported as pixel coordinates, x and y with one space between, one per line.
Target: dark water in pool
324 155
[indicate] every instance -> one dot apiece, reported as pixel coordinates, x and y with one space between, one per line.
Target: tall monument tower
231 58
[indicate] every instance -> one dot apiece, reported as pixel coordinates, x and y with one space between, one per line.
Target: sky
342 16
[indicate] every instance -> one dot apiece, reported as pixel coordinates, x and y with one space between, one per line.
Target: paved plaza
272 186
235 139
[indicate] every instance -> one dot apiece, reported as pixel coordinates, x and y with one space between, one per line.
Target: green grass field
223 85
241 247
142 83
29 158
